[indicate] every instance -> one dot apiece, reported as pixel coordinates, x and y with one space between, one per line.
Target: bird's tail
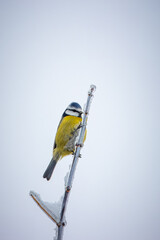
48 173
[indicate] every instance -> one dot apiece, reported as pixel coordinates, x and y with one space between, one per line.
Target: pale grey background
50 53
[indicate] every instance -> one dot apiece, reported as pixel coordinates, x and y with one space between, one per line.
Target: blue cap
76 105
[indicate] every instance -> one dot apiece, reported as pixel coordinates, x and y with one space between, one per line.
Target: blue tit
67 132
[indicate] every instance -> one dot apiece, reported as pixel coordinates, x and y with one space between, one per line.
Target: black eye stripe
73 110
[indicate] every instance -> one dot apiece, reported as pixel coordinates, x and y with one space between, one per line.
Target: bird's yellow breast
65 133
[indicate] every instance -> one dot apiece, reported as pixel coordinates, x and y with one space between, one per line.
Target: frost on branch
51 209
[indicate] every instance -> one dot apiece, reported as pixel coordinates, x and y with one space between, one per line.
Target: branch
74 164
56 211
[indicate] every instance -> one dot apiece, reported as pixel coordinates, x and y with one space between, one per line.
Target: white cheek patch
69 112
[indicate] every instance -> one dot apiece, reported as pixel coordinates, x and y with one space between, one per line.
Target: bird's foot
79 144
81 125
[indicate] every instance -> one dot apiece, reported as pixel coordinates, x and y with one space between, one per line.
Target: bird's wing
54 145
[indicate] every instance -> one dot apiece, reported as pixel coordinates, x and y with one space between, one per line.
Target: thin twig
79 145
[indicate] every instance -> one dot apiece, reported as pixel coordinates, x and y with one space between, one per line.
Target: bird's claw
81 125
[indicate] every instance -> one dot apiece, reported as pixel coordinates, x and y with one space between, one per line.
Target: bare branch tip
93 87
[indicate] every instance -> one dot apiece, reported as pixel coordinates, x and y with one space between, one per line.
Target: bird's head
74 109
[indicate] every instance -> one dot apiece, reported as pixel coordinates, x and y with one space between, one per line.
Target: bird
65 139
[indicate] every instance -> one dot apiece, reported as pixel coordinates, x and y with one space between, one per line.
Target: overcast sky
50 53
